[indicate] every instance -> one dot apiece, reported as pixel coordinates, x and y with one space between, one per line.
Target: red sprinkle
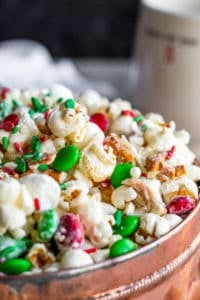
44 138
127 112
100 120
4 92
9 171
18 147
13 118
170 152
181 205
105 183
37 203
90 250
47 114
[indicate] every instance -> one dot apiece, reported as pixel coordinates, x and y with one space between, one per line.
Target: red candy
70 232
181 205
100 120
12 118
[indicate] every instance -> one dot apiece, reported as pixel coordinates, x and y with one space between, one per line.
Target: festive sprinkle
90 250
18 147
43 108
31 112
9 171
144 127
47 113
36 103
15 103
170 152
59 100
37 203
43 167
128 113
43 138
15 129
35 143
69 103
21 165
5 109
105 183
63 186
28 156
139 118
5 142
37 156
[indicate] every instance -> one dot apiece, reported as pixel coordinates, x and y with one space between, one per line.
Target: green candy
121 247
15 266
66 158
120 173
12 248
129 224
47 224
69 103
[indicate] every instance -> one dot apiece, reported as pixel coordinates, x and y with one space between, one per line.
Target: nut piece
120 148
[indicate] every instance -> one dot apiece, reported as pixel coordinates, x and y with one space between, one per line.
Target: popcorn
109 174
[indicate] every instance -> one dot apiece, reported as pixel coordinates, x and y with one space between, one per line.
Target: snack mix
84 179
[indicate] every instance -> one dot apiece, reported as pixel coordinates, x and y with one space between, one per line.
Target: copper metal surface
167 269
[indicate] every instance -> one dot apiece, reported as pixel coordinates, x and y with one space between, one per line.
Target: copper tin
167 269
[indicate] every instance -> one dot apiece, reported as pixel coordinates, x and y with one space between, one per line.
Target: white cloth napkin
26 63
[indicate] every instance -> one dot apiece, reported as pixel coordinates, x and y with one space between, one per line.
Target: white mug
167 62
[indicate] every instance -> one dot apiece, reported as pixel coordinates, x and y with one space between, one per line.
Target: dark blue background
75 28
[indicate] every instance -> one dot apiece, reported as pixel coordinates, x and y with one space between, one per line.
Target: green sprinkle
66 158
35 144
28 156
59 100
69 103
15 129
138 118
31 112
36 103
48 94
21 165
15 103
5 109
37 156
63 186
43 167
43 108
144 127
120 173
5 142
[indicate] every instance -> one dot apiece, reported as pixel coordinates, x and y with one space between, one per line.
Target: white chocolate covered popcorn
80 175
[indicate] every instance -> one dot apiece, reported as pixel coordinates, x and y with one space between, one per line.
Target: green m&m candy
66 158
128 225
15 266
121 247
120 173
69 103
47 224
